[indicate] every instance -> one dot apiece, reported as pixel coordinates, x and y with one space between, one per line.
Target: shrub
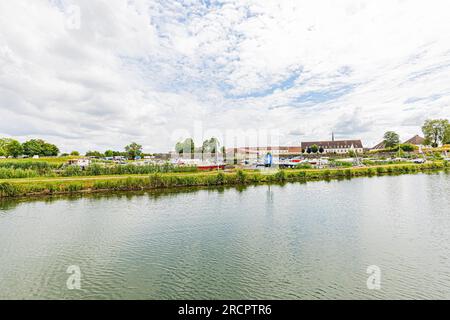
303 166
407 147
280 176
72 171
302 175
240 177
8 190
381 170
220 178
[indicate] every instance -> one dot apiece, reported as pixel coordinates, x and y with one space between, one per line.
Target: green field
54 160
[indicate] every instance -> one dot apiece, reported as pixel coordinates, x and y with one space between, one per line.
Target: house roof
334 144
416 140
381 145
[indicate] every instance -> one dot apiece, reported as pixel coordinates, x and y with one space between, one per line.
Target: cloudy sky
97 74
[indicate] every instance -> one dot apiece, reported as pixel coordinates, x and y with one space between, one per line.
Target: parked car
418 160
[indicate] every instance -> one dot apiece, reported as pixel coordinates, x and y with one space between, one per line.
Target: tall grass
31 168
101 170
9 173
29 164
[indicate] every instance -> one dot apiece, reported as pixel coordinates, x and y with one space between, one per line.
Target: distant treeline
34 147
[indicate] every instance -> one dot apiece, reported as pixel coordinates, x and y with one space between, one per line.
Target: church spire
332 136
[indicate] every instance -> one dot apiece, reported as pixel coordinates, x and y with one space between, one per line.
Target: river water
292 241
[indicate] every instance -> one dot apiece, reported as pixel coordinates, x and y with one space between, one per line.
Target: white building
338 146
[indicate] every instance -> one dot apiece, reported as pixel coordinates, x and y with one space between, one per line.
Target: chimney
332 136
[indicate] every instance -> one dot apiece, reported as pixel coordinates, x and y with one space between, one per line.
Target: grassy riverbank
49 186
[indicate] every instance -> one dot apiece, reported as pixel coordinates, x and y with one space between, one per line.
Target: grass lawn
53 160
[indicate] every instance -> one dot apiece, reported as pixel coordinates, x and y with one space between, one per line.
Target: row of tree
209 146
132 151
38 147
34 147
436 132
314 149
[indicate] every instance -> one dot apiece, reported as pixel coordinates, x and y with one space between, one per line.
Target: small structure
82 163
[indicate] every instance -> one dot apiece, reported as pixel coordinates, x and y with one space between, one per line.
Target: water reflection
290 241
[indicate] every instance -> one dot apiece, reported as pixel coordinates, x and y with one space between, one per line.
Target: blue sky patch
283 85
313 97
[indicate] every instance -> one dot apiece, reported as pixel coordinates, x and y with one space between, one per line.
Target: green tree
33 147
189 147
447 135
109 153
38 147
224 154
314 148
210 146
14 148
133 150
391 139
94 154
179 148
435 131
49 150
3 143
75 153
10 147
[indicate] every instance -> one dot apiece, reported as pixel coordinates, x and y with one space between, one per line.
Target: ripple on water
298 241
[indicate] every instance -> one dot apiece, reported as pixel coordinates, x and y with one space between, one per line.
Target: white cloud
140 70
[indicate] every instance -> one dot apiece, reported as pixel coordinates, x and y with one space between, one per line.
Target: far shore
10 188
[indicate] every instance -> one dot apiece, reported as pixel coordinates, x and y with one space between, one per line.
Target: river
295 241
